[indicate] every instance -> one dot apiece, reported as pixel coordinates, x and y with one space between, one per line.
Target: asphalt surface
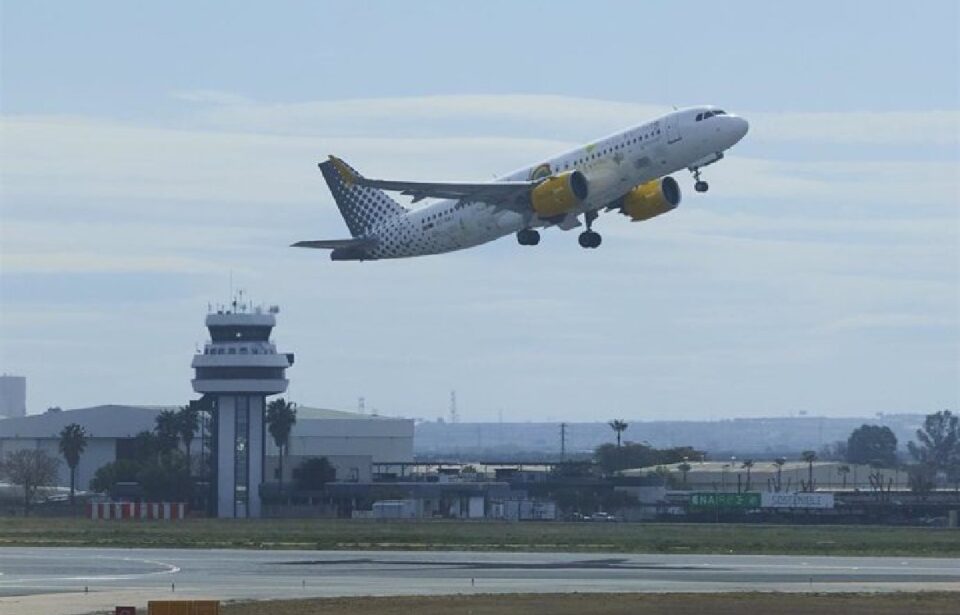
67 580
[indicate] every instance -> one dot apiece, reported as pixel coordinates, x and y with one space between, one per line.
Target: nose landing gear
590 238
700 185
528 237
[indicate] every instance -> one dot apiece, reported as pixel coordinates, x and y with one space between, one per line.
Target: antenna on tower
454 415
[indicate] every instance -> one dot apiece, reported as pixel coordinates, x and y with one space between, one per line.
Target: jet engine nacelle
651 199
559 194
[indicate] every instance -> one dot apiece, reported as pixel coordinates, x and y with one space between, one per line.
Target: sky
154 156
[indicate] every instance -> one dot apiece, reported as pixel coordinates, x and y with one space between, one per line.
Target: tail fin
361 207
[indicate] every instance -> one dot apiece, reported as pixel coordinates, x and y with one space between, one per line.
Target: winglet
348 175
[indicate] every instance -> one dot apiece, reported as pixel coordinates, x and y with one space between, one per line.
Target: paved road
53 580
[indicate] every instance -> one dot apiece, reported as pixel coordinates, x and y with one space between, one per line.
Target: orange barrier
183 607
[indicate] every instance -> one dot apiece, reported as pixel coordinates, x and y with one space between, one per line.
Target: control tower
238 369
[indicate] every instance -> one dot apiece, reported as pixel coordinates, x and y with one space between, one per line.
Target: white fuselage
613 166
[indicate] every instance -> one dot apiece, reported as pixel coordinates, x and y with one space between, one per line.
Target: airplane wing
335 244
507 194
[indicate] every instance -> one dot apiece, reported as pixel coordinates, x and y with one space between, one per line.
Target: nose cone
740 127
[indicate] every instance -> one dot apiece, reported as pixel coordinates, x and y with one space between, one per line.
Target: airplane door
673 128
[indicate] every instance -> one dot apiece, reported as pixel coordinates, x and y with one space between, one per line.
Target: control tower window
235 333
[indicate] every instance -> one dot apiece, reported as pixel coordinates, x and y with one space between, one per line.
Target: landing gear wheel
700 186
590 239
528 237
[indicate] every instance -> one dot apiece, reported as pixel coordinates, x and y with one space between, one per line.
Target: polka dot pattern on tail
362 208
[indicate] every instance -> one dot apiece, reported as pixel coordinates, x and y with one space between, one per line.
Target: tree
619 426
73 441
843 471
779 462
166 480
684 468
314 474
109 474
281 417
747 465
31 469
809 457
872 445
146 446
837 451
612 458
167 430
938 442
188 422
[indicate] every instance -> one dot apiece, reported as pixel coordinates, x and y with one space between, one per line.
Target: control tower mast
238 369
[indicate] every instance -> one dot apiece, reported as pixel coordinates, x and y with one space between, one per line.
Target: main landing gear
528 237
590 238
700 186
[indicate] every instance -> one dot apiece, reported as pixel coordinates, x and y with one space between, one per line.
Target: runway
62 581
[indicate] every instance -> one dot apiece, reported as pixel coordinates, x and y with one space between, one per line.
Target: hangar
352 442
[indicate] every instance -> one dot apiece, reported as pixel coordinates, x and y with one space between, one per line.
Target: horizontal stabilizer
335 244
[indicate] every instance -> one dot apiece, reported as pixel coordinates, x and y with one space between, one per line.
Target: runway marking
169 569
609 564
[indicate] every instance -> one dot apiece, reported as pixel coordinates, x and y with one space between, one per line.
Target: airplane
627 172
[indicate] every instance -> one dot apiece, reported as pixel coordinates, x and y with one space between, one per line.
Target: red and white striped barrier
137 510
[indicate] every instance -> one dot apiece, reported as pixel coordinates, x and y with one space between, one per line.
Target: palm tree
843 470
188 421
779 462
167 429
809 457
73 441
684 468
747 465
619 426
281 416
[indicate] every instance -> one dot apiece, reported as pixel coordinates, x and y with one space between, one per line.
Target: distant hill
757 437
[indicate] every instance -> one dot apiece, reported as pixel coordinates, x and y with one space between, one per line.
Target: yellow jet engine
651 199
559 194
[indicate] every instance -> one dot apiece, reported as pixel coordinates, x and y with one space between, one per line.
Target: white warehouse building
352 442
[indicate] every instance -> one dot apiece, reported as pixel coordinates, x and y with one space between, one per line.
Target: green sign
712 501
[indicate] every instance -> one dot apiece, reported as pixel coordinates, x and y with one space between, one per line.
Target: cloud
894 321
581 118
87 159
211 97
863 128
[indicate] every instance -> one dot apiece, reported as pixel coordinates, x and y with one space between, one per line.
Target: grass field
928 603
486 536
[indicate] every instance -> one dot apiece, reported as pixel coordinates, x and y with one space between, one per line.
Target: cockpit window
707 114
